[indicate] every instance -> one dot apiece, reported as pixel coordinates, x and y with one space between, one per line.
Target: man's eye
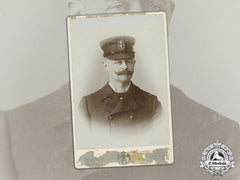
117 7
117 62
129 61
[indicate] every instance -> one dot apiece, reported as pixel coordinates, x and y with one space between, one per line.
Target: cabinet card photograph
120 90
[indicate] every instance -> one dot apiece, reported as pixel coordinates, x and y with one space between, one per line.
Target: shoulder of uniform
97 94
144 94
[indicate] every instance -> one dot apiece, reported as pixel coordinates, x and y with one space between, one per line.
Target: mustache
124 72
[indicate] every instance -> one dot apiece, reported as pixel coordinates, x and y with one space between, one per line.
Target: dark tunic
122 109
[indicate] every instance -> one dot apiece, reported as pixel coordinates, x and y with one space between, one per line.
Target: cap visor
119 56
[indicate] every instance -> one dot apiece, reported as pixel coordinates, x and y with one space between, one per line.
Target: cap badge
121 45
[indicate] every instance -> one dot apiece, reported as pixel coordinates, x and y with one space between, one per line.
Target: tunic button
120 97
131 116
110 117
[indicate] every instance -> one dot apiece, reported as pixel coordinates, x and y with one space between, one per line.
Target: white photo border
118 157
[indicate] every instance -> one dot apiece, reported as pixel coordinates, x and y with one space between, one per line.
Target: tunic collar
115 89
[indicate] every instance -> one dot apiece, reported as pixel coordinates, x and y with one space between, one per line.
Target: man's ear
76 7
105 64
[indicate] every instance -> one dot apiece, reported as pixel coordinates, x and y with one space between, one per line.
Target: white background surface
204 52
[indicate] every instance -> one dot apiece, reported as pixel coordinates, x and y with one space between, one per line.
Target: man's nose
123 65
136 6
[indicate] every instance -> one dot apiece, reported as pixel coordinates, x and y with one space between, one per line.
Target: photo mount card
120 90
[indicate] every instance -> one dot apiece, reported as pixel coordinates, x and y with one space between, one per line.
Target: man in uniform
120 100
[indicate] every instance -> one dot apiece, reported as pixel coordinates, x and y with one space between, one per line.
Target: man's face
116 6
120 70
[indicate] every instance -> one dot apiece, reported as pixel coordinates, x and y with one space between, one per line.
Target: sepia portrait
120 89
35 110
